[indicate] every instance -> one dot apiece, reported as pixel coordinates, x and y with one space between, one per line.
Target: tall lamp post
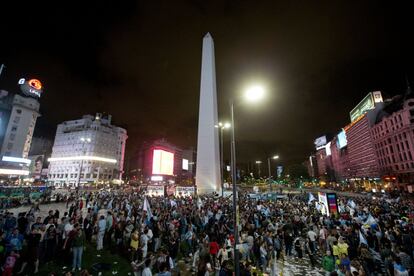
270 170
222 127
253 94
258 165
84 141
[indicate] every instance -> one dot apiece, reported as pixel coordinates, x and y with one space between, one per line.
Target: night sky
140 61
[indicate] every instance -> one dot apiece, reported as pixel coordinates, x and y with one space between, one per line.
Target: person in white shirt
68 228
147 269
101 233
323 234
223 254
144 243
312 237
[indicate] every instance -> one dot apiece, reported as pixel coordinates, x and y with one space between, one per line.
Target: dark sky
140 61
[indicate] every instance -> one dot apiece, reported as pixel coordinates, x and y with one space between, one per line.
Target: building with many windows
393 136
18 115
87 150
377 148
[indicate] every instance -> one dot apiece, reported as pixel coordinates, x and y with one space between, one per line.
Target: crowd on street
367 237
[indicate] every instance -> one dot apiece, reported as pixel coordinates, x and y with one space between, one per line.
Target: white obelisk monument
208 162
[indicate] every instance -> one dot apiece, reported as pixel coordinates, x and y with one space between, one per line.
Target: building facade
363 161
87 150
19 131
18 115
393 136
377 147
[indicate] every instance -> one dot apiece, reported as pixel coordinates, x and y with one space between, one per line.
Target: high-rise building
393 135
363 161
18 115
87 150
377 144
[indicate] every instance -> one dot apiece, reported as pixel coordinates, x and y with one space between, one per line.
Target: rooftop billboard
366 104
162 162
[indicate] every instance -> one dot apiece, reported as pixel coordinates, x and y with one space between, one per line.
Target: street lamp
84 141
253 94
258 165
222 127
270 170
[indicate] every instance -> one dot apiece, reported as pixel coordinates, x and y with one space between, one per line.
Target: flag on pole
311 198
362 239
199 203
147 208
110 204
370 220
351 204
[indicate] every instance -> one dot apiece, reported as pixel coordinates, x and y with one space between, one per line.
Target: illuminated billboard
320 142
332 203
162 162
342 142
32 87
328 149
185 164
366 104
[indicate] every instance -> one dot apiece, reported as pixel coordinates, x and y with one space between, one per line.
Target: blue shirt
102 225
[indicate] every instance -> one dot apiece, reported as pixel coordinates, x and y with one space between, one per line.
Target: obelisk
208 162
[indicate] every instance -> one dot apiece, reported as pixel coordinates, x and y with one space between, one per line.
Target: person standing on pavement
101 233
147 269
328 263
312 238
109 228
77 238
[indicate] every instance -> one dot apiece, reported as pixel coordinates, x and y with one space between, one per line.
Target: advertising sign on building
328 149
184 191
320 142
32 87
155 191
377 97
323 203
366 104
36 165
185 164
162 162
332 203
342 141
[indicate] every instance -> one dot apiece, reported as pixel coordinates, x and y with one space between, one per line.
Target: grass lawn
119 264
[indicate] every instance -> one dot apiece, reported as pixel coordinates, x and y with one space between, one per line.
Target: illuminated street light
222 127
274 157
253 94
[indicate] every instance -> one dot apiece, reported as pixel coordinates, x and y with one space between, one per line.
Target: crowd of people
158 234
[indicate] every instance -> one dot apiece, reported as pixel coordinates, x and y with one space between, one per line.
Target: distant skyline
141 61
